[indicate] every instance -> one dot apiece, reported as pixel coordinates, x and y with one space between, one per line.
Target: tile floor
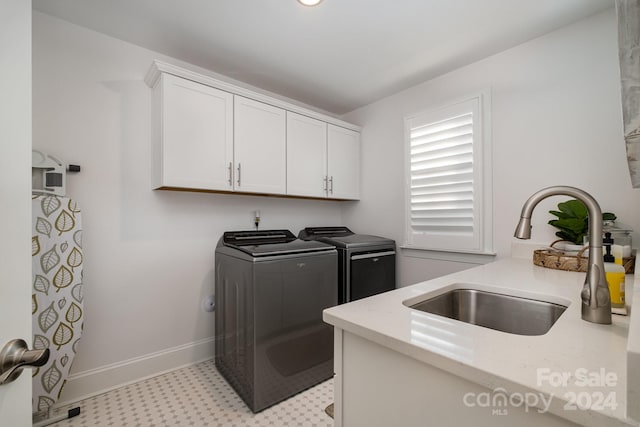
197 396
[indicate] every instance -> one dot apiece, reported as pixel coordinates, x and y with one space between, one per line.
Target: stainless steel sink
506 313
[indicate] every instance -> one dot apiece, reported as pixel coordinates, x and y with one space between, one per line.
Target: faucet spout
596 300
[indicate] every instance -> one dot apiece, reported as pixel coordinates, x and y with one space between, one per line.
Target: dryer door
371 273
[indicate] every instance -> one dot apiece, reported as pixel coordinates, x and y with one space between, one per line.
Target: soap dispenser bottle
615 275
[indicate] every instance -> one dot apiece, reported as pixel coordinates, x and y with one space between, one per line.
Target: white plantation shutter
444 174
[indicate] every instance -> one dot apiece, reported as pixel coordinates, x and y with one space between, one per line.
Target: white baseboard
83 385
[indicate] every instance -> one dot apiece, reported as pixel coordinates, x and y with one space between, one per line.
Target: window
448 202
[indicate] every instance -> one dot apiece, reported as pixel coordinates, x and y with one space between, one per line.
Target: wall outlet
209 303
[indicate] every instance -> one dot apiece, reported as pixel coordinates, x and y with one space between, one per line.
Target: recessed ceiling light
309 2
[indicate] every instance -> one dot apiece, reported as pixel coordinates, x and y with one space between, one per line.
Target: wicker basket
558 260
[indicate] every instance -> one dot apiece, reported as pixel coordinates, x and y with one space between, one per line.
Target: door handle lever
15 355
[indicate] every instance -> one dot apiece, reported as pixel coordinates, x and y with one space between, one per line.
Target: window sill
455 256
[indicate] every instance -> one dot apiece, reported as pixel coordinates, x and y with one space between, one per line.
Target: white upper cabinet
260 147
210 135
323 160
306 156
343 165
193 141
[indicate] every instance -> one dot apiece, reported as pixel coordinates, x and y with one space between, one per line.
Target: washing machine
271 288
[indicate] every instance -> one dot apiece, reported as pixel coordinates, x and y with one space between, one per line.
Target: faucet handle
596 301
585 295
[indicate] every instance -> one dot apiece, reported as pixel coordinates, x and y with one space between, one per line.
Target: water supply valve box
48 174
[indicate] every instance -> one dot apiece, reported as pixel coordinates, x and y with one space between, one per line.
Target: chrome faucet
596 301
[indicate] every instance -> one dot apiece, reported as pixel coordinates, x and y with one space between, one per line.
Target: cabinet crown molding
159 67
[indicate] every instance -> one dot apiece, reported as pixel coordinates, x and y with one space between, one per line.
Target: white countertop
520 364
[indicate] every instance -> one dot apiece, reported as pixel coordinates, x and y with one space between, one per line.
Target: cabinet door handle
325 186
331 184
230 174
239 171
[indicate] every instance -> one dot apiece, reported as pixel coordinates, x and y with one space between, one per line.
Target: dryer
366 264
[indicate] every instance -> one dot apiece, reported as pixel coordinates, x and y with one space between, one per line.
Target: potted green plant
573 221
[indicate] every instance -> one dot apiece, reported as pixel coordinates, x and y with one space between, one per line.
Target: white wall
148 255
556 120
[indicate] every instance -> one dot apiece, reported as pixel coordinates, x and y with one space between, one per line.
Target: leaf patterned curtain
628 12
57 292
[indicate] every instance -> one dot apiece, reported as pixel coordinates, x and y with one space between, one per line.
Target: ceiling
338 56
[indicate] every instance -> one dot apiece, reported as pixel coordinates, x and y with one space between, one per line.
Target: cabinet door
196 146
306 156
343 147
260 147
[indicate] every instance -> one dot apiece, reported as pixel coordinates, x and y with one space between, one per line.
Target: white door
343 146
259 147
15 191
306 156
